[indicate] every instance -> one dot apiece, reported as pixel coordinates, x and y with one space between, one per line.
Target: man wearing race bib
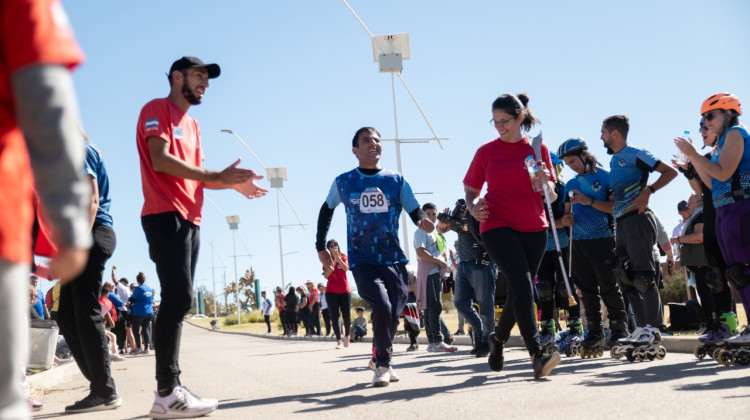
373 198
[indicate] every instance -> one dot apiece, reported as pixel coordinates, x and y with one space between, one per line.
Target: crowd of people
524 229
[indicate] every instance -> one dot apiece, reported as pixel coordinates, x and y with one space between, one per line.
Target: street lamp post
234 222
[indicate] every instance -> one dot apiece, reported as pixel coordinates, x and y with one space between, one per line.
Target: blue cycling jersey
724 192
373 205
591 223
629 168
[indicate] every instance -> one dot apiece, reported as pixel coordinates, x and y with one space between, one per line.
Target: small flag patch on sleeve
152 124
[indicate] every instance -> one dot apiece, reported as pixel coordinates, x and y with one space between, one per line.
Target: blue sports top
629 168
141 301
591 223
95 168
373 205
723 192
558 208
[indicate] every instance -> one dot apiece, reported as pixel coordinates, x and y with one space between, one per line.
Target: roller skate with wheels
737 351
618 330
547 337
593 344
623 346
574 338
645 345
714 340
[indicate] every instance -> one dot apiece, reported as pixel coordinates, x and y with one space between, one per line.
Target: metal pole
281 249
404 225
213 278
237 292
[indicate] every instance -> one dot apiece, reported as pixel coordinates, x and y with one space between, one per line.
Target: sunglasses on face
703 127
709 116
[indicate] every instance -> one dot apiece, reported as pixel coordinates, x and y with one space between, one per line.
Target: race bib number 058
372 200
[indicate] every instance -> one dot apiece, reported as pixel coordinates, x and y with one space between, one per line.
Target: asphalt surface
258 377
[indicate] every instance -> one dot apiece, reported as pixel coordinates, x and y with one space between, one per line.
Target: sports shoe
371 364
92 403
444 348
346 341
34 404
543 364
482 349
117 357
394 377
338 345
449 340
430 348
382 377
413 347
496 358
181 403
213 401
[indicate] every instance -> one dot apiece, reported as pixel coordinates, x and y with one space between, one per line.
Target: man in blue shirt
635 231
79 316
373 198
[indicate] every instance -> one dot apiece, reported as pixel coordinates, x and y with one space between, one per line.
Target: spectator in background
123 292
109 314
279 301
121 312
303 310
39 305
267 309
324 308
33 299
53 300
359 325
290 305
142 313
682 210
338 293
313 305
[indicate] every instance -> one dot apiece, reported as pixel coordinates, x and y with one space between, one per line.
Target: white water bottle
681 158
532 167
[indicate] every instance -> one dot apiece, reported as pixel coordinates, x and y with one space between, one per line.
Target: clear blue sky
298 79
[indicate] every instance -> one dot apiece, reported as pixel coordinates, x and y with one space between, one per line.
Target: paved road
264 378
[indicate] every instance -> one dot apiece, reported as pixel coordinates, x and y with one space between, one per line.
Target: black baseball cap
194 62
682 206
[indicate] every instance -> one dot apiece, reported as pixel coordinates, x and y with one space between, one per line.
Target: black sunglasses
709 116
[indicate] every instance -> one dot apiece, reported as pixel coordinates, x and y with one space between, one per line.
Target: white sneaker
430 348
213 401
394 377
382 377
338 345
181 403
116 357
442 347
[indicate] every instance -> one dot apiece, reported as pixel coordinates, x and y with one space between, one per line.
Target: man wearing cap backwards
173 178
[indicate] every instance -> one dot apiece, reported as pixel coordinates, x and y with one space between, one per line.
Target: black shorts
128 319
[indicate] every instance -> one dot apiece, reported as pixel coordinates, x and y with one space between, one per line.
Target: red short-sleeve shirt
337 281
510 199
32 32
161 192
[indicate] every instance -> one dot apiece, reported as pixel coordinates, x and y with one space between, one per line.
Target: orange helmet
725 101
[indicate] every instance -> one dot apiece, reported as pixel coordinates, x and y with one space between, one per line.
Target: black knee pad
623 272
561 293
643 281
736 274
714 280
544 289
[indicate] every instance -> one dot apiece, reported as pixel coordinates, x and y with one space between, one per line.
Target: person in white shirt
266 309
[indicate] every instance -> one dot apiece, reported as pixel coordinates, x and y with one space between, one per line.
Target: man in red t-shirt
173 179
39 132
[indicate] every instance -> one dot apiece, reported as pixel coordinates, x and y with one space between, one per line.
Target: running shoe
92 403
394 377
382 377
443 348
181 403
543 364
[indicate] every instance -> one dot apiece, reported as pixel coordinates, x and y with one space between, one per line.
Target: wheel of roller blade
661 352
699 352
725 357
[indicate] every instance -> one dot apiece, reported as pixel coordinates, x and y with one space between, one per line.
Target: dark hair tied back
515 105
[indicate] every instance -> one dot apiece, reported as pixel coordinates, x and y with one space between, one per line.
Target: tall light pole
389 51
277 176
234 222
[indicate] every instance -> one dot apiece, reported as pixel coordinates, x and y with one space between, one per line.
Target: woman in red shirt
338 293
513 227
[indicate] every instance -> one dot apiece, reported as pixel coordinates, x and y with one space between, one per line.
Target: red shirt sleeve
36 32
475 175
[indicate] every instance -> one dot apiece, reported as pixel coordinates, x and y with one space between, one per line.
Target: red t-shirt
337 281
510 199
312 297
164 193
31 32
280 302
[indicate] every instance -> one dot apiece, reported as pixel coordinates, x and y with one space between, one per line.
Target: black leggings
518 255
340 302
142 325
